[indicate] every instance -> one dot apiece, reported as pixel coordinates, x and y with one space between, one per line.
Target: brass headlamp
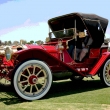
8 53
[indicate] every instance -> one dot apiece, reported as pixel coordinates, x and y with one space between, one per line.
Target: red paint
99 63
7 62
32 78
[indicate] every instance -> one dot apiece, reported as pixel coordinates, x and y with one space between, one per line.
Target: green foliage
39 42
28 43
31 42
16 42
6 42
9 42
24 42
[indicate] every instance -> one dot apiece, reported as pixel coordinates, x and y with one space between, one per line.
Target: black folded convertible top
95 25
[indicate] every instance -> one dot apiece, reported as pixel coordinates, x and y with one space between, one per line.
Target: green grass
64 95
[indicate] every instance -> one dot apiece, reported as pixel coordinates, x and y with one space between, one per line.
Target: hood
48 48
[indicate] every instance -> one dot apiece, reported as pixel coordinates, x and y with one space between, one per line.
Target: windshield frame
65 33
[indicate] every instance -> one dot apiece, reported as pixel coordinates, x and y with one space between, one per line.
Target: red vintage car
32 68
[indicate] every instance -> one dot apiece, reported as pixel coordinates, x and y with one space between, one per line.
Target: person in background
72 43
77 49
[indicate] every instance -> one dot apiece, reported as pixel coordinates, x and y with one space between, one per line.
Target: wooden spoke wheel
32 80
105 74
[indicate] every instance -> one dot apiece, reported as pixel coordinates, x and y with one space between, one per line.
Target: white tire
105 76
32 80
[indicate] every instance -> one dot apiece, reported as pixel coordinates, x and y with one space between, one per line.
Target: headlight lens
8 53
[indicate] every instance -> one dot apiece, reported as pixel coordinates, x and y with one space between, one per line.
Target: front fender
35 53
54 63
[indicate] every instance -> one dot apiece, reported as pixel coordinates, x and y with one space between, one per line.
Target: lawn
89 94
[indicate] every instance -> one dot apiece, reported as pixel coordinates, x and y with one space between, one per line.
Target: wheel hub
109 72
33 79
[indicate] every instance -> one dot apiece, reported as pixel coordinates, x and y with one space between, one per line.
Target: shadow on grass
68 87
59 88
8 96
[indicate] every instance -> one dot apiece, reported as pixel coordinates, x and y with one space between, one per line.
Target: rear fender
99 63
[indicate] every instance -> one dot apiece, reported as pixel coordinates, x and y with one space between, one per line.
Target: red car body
57 62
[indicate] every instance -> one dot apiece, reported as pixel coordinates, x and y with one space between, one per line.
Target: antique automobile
32 68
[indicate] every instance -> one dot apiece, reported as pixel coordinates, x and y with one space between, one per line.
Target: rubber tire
102 74
47 86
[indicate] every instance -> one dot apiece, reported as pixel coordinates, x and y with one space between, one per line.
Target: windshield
62 33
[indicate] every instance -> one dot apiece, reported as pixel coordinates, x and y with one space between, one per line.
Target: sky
27 19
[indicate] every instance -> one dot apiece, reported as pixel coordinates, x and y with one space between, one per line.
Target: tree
31 42
9 42
39 42
0 42
16 43
28 43
23 42
5 42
